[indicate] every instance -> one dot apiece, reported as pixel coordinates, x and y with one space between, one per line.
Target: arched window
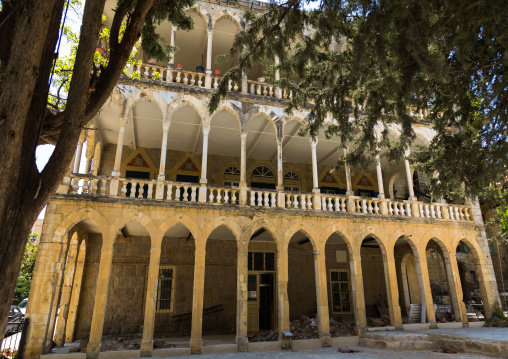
292 175
232 170
263 172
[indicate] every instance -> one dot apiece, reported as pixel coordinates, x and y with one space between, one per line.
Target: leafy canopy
373 64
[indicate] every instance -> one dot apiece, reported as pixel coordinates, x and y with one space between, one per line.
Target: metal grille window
341 291
165 289
292 175
261 261
232 170
263 171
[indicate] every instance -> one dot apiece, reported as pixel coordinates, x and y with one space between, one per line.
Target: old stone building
187 223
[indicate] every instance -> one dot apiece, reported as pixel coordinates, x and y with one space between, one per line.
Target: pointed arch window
263 172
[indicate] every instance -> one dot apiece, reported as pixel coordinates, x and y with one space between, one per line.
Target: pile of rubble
376 322
338 329
497 322
269 336
304 328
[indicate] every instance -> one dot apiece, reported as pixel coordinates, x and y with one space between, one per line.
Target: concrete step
403 345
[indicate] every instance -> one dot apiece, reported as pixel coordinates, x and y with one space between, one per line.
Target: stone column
171 62
204 158
101 296
159 192
316 198
282 287
278 90
453 279
392 289
208 74
322 298
243 168
242 340
355 264
76 290
113 187
65 296
458 296
151 297
427 293
196 341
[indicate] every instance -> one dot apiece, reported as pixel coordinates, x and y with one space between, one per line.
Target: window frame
340 291
172 299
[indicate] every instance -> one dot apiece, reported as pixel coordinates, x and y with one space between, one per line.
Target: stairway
397 341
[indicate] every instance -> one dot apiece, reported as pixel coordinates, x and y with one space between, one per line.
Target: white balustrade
333 203
223 195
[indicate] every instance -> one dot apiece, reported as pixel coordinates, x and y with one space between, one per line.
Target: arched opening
192 45
472 285
220 301
339 286
302 287
374 282
224 32
124 314
175 286
409 280
441 282
261 145
262 286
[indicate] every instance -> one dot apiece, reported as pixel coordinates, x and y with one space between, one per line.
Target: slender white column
280 177
119 148
209 51
171 62
313 144
164 147
206 131
380 177
79 150
349 187
278 92
243 160
408 175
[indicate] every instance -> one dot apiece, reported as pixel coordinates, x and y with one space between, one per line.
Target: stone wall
331 249
374 283
301 281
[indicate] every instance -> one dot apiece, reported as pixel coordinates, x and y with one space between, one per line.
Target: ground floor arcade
116 268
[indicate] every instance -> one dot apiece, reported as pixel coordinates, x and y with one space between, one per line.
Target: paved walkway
476 333
326 353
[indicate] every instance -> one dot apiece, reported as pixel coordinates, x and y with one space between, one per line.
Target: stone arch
392 182
240 24
267 114
202 13
191 101
145 95
222 221
271 228
300 227
139 217
421 133
183 219
232 108
394 128
335 228
76 217
295 116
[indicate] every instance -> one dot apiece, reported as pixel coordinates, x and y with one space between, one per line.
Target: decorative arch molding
420 132
339 229
301 227
74 218
119 98
141 218
145 95
228 14
394 128
231 225
295 116
233 109
191 101
182 219
267 114
205 15
272 229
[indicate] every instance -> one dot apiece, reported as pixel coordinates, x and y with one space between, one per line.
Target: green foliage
156 75
27 268
391 60
498 312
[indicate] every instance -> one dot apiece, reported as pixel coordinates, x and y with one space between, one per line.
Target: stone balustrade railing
80 184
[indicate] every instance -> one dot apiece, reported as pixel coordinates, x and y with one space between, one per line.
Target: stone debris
304 328
269 336
497 322
339 329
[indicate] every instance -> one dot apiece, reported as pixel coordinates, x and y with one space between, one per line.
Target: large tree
382 62
29 31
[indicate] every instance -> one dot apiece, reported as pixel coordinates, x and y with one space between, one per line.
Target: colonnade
73 271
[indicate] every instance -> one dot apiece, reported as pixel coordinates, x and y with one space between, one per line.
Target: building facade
181 214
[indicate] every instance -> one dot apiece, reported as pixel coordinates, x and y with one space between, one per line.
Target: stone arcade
177 210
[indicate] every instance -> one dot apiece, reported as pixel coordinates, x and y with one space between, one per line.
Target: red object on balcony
152 61
100 50
217 72
179 66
